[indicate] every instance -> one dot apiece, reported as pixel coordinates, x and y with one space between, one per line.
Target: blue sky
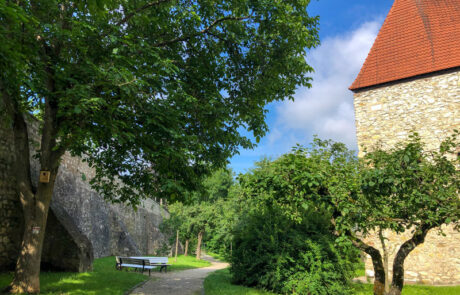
347 32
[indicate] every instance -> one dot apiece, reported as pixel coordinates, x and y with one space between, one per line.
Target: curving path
186 282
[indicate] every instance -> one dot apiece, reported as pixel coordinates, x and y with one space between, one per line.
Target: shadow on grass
103 280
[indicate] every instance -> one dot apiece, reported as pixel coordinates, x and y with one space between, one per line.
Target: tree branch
407 247
377 262
204 31
140 9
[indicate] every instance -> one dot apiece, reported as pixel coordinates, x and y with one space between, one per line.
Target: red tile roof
417 37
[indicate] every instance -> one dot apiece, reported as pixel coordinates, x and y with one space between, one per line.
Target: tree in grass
401 189
152 94
407 189
179 220
208 214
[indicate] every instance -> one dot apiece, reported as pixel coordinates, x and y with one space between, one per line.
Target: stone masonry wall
112 229
386 115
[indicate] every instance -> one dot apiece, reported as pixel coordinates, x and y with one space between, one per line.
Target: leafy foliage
213 210
404 188
282 242
409 186
275 253
153 94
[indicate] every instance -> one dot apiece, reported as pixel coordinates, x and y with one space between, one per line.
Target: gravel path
186 282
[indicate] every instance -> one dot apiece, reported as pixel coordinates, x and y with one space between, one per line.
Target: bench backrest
158 260
135 261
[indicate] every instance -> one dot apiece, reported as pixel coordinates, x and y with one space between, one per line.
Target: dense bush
286 241
276 253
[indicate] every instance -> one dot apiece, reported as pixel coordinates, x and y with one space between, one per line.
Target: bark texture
385 261
187 241
198 246
35 201
177 245
398 263
379 270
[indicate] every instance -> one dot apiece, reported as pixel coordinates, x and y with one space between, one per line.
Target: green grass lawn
366 289
216 256
219 283
186 262
103 280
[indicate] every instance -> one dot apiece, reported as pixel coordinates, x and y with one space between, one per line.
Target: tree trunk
186 247
385 261
398 263
198 246
36 207
35 201
177 245
379 272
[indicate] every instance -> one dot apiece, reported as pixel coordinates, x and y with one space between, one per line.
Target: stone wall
386 115
80 220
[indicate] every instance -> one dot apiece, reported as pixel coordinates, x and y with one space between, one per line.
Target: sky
347 30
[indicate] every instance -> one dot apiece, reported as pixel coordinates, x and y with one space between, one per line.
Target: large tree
151 93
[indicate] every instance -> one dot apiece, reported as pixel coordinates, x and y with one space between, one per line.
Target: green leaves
155 93
408 186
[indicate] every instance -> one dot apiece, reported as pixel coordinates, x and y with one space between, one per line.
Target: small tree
178 221
408 188
400 189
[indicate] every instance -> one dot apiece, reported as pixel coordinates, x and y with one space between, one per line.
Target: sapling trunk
186 247
198 246
177 245
385 261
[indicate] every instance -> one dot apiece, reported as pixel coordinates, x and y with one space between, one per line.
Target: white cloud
327 108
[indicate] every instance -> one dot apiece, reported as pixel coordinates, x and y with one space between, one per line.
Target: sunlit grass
105 279
366 289
186 262
216 256
219 282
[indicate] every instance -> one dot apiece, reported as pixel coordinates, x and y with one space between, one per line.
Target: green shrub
276 253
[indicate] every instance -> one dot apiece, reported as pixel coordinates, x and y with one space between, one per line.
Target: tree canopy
153 93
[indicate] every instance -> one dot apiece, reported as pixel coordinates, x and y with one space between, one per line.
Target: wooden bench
133 262
144 263
162 262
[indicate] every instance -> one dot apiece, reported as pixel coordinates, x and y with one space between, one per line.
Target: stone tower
410 81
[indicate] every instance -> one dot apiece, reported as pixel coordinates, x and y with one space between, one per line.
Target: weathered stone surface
387 115
65 247
82 224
